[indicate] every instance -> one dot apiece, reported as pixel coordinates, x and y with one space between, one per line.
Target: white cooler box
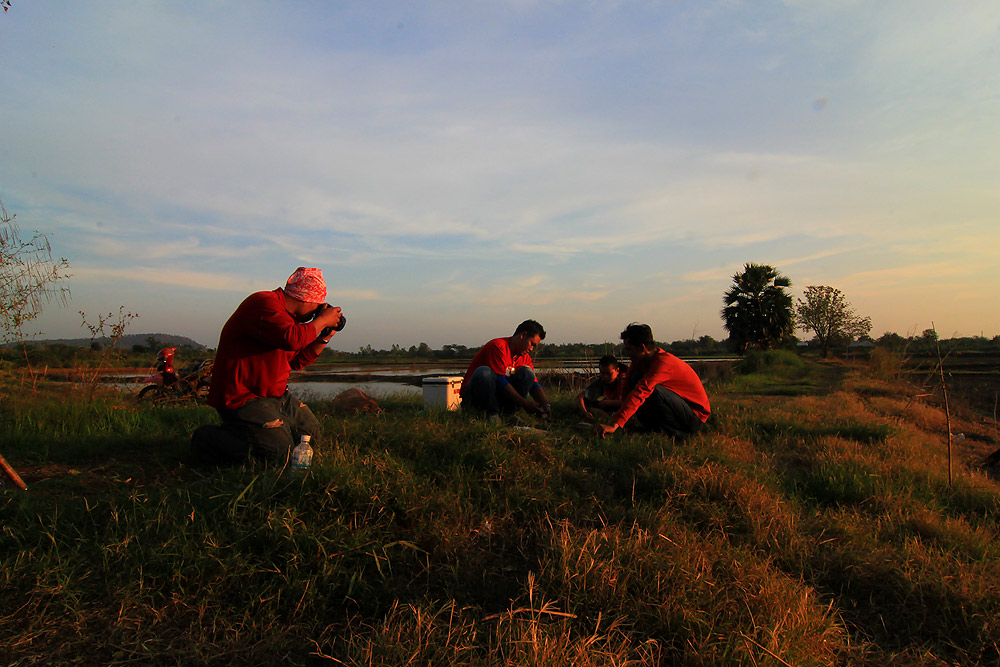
441 393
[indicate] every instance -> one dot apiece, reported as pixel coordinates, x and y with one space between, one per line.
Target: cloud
811 258
711 275
136 252
157 276
916 276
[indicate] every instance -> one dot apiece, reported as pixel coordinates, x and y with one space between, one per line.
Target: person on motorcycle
269 335
165 367
163 375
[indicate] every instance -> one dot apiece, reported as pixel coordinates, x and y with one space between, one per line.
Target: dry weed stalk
947 410
113 330
993 458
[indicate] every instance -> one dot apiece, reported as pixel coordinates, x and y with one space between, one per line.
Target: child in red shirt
604 395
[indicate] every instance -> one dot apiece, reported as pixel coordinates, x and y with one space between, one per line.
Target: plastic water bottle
302 456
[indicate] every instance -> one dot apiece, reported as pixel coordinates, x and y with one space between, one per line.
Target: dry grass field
812 522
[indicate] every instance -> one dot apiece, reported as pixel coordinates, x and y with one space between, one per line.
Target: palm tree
758 311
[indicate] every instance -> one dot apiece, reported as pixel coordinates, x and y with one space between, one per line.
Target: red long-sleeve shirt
259 346
664 369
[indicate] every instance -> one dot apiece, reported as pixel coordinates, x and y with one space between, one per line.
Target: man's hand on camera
327 317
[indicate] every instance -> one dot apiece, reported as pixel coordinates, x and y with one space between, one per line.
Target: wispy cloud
485 157
165 277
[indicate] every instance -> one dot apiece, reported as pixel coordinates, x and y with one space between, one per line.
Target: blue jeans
484 393
666 412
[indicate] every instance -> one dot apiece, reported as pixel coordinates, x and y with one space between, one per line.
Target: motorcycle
166 384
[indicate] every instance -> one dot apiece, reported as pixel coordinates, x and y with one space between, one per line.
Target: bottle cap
305 437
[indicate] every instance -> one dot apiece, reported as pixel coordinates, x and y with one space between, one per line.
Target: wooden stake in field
944 389
10 472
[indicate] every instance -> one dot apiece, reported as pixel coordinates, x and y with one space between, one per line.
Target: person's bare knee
277 423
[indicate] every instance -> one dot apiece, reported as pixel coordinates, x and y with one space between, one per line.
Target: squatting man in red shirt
269 335
501 376
662 392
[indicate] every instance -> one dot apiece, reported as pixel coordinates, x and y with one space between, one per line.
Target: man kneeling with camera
269 335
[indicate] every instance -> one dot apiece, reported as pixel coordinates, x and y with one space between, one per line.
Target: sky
457 167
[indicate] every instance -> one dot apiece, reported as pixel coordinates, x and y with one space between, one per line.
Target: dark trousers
666 412
483 392
265 427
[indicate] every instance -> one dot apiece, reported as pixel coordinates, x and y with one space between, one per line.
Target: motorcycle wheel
150 393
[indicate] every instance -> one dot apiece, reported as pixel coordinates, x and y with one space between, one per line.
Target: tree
454 350
29 277
830 317
758 311
892 340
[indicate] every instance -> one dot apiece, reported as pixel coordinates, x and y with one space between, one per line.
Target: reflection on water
312 390
327 381
391 370
354 372
327 390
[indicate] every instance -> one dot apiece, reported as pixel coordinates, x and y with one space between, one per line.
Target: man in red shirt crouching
501 376
662 392
269 335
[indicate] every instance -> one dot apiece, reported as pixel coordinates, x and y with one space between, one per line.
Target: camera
329 330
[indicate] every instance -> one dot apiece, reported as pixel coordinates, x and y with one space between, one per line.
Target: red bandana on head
306 285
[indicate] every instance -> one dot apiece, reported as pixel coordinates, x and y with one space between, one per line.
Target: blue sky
457 167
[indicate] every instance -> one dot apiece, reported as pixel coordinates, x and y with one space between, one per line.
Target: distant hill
128 340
